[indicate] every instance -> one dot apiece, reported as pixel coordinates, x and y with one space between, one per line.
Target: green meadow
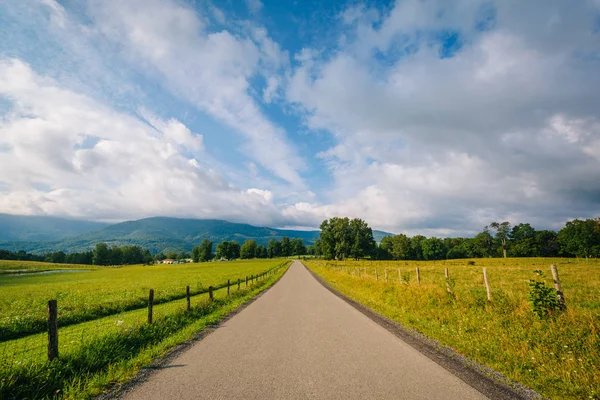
107 350
557 355
89 292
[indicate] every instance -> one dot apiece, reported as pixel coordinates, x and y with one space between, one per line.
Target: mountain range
38 234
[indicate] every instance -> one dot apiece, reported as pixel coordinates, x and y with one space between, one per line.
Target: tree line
342 238
231 250
101 255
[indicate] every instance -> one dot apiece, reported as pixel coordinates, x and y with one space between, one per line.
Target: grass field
101 291
557 356
108 350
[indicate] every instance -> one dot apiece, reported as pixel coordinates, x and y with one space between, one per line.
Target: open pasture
103 291
558 356
105 351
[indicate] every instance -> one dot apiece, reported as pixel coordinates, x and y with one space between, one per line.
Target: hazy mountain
166 234
39 228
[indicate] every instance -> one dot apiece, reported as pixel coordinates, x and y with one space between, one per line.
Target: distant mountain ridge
42 228
157 234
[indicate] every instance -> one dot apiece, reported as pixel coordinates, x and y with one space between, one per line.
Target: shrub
543 299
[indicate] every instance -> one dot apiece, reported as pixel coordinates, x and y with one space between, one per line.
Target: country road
300 341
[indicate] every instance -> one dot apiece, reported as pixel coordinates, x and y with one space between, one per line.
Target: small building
168 261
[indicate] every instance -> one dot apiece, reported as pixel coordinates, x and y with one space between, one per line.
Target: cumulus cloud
66 154
504 128
437 118
210 69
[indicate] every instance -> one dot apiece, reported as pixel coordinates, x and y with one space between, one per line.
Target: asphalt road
300 341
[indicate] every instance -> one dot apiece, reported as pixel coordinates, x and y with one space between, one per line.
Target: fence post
210 293
399 276
386 276
447 274
376 274
239 283
187 296
150 305
418 276
246 280
487 284
228 287
52 330
558 286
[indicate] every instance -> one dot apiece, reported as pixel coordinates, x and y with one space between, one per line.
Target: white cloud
254 6
504 129
211 70
69 155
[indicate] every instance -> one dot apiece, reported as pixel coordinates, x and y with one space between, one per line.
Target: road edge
489 382
118 391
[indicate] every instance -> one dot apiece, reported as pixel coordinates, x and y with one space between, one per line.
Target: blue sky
418 116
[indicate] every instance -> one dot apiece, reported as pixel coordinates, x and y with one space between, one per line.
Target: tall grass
558 356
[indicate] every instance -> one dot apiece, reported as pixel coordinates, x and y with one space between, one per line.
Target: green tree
362 243
340 238
204 252
298 247
101 254
132 255
580 238
261 252
273 249
483 244
547 243
228 250
502 234
433 249
416 247
286 247
401 247
172 255
523 241
248 249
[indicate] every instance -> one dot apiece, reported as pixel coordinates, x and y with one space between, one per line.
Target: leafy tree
59 257
433 249
416 247
523 241
286 247
341 238
204 252
483 244
172 255
401 247
261 252
298 247
502 234
363 243
248 249
317 249
580 238
228 250
547 243
273 249
102 255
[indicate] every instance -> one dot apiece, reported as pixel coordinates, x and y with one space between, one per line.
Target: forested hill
41 228
162 234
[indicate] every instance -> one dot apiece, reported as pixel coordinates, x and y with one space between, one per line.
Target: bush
544 300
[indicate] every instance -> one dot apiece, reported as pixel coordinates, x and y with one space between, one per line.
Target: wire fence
38 348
